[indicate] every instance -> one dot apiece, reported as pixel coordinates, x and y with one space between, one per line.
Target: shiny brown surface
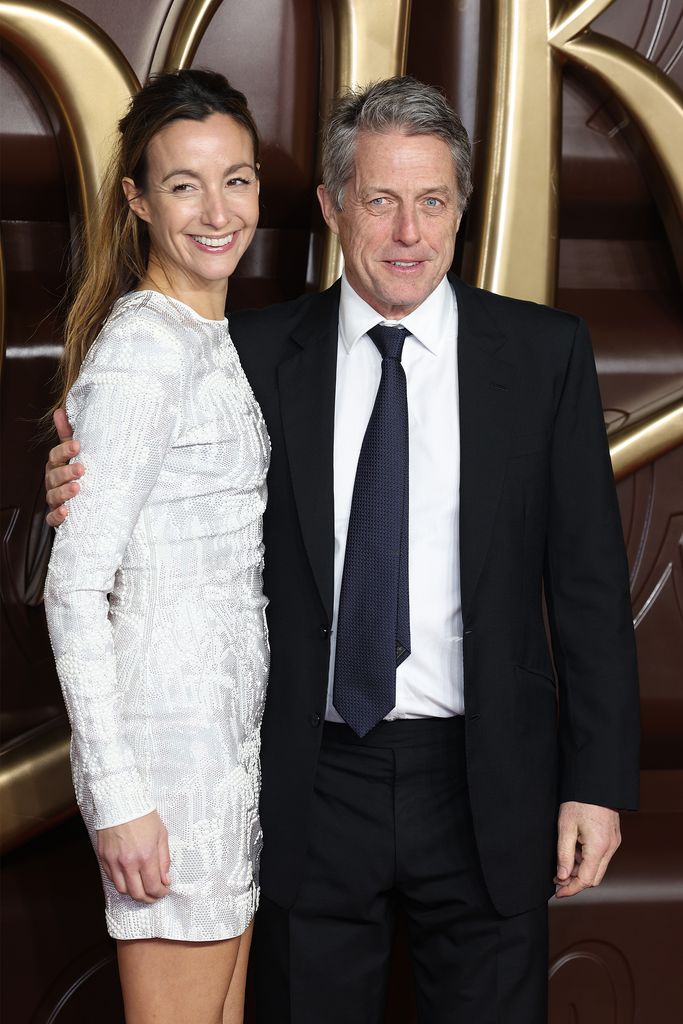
614 952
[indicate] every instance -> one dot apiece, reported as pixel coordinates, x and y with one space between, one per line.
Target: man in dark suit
439 466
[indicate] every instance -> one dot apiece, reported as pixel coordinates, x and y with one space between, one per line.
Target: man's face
400 218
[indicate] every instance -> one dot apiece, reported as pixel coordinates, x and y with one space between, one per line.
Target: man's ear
329 208
136 200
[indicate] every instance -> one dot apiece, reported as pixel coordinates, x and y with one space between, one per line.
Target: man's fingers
56 496
572 887
57 516
62 425
596 830
62 474
61 453
589 865
602 868
566 850
604 856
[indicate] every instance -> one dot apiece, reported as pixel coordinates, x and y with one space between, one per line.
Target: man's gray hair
395 104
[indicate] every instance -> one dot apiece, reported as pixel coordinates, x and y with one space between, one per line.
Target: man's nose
407 227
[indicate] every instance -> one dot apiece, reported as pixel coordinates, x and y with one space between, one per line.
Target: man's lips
404 266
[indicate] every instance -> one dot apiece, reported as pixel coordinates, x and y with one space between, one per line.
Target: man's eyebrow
189 173
442 190
432 190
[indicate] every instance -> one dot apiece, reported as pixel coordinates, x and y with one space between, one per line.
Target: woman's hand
135 857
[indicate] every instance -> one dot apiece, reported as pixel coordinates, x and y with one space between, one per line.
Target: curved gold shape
361 42
516 250
81 73
647 440
516 241
185 24
655 103
35 782
568 20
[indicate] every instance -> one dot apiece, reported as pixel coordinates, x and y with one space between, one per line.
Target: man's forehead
419 162
395 138
395 148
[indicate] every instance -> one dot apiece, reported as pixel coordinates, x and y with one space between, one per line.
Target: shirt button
315 719
468 632
324 632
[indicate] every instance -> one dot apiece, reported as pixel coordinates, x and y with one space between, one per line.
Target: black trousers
391 828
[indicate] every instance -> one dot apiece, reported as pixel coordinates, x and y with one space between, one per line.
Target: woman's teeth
213 243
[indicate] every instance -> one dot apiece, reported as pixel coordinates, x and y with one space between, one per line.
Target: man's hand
588 837
61 478
135 857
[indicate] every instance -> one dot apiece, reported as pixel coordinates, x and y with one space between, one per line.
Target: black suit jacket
537 510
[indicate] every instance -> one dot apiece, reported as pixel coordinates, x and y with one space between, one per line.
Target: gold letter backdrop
86 81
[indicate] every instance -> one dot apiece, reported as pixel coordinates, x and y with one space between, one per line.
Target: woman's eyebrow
193 174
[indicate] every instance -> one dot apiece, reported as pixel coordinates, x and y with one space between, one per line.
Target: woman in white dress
154 592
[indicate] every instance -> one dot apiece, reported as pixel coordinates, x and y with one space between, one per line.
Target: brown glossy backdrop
576 203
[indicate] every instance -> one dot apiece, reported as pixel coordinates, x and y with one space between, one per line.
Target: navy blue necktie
373 623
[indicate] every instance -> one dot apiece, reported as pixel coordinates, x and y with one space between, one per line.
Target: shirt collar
426 323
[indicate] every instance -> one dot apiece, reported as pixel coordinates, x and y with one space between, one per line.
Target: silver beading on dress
156 611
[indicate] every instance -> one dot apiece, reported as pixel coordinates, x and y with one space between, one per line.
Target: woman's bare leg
167 982
233 1011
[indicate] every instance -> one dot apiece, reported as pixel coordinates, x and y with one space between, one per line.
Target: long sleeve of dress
124 409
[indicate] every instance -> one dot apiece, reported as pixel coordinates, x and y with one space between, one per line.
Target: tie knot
389 340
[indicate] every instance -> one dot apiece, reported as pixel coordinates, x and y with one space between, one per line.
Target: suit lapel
486 394
306 383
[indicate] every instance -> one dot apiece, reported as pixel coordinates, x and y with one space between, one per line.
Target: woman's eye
239 181
183 186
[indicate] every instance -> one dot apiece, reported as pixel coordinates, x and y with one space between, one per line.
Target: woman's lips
215 243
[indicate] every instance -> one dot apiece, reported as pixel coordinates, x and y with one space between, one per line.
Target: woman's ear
136 200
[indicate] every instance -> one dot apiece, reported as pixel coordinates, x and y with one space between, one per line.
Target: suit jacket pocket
536 677
529 444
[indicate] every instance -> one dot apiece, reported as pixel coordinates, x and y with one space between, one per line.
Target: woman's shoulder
137 335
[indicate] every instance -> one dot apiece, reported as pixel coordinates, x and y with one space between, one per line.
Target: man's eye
433 202
378 201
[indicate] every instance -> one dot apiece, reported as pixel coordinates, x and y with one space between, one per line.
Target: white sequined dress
156 611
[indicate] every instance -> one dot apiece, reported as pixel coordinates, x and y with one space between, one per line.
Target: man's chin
404 299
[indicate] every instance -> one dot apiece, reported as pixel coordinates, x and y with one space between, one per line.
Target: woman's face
200 200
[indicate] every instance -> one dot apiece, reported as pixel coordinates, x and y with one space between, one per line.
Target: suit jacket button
315 719
324 632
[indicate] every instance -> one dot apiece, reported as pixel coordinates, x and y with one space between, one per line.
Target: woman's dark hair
117 253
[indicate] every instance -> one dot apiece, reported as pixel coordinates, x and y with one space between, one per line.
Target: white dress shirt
429 683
